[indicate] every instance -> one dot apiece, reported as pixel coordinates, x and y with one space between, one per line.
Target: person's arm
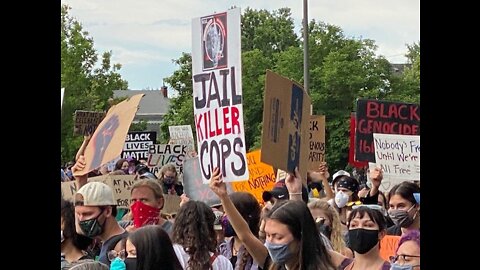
81 150
254 246
80 180
294 185
376 177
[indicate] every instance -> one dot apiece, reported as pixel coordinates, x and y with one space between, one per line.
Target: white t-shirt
220 263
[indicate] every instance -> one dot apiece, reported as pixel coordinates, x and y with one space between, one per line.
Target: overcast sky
145 35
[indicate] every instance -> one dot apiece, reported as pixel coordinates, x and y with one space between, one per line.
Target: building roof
400 68
153 103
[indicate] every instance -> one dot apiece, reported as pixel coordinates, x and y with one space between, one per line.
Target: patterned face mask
144 214
92 227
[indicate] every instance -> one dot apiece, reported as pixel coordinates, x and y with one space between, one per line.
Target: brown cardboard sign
109 137
86 122
316 144
286 116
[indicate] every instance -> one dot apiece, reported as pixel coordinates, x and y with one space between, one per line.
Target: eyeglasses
401 258
112 254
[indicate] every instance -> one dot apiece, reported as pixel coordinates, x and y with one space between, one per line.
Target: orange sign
261 177
388 245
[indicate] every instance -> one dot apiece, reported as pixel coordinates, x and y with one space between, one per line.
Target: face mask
61 236
228 230
395 266
91 227
279 253
341 199
117 264
126 171
144 214
131 263
362 240
168 180
401 217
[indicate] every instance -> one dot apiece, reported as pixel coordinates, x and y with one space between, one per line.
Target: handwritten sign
182 135
398 155
86 122
376 116
193 183
217 95
262 177
161 154
387 182
120 184
388 245
316 142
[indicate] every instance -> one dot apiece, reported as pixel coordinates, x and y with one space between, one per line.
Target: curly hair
193 230
336 238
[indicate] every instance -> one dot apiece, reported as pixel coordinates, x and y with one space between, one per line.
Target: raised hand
217 185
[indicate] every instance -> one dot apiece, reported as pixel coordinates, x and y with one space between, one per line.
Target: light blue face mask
395 266
117 264
279 253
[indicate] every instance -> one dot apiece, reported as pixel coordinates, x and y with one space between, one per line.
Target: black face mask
92 227
131 263
362 240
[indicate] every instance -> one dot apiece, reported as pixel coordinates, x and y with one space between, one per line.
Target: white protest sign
182 135
387 181
217 95
398 155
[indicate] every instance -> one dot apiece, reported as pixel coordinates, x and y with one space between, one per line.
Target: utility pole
306 73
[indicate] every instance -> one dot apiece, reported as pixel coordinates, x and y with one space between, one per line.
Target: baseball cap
280 192
217 225
96 194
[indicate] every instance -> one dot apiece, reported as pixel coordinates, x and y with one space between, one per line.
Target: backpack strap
212 258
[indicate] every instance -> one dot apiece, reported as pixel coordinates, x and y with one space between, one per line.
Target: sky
146 35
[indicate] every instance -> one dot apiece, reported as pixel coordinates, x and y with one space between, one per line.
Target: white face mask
341 199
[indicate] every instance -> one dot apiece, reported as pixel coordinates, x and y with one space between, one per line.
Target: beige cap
96 193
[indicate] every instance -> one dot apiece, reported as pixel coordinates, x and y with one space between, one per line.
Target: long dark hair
154 249
68 214
193 230
250 210
405 190
312 253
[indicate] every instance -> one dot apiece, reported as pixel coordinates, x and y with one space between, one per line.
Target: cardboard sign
376 116
262 177
351 150
286 119
85 122
182 135
109 137
398 155
388 245
316 142
193 185
171 204
217 95
138 143
161 154
120 184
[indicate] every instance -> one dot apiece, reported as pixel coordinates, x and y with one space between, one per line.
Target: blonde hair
336 238
168 167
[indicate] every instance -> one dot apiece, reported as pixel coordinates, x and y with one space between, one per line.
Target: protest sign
286 119
262 177
217 95
85 122
193 184
316 142
161 154
108 139
388 246
171 204
398 155
376 116
351 150
138 143
387 181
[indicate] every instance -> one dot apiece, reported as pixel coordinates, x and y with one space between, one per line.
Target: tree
86 87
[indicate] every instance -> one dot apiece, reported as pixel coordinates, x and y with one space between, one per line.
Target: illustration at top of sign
214 42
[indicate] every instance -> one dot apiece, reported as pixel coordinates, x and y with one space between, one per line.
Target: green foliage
87 87
140 126
342 69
